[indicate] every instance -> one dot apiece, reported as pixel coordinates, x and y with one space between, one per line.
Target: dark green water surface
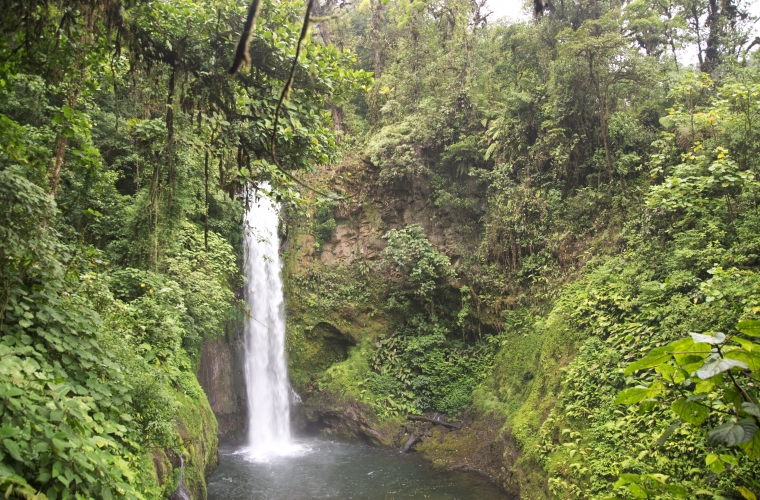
317 469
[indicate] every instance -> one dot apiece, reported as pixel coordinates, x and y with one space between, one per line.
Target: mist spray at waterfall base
266 374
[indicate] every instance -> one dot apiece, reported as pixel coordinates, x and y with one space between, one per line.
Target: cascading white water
266 373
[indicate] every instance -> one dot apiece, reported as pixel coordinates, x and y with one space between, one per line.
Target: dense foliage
558 198
550 224
125 148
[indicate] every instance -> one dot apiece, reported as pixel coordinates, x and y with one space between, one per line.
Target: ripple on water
318 469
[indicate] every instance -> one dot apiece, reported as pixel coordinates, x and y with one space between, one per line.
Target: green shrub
324 223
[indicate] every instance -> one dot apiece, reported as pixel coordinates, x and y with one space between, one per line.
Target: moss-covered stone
197 428
195 456
342 417
319 347
479 445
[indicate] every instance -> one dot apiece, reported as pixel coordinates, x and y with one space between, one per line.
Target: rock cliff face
361 224
222 378
336 319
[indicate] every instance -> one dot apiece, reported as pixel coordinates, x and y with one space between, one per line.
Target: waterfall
266 373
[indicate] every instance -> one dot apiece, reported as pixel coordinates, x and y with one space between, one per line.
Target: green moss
197 443
156 475
197 428
347 378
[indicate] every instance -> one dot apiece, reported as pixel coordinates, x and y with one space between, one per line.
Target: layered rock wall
222 378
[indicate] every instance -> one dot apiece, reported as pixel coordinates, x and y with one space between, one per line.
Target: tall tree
598 51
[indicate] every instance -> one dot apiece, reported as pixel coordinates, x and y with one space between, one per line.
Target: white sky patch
511 10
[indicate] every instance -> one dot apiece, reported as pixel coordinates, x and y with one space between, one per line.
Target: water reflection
316 469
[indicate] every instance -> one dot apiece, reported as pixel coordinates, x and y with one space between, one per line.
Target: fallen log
420 418
411 442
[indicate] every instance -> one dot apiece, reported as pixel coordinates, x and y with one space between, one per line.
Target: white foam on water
261 455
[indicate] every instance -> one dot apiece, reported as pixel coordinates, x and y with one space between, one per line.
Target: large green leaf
656 356
13 449
746 344
6 431
688 354
714 463
751 408
635 394
752 359
749 327
732 433
690 411
719 365
752 447
747 494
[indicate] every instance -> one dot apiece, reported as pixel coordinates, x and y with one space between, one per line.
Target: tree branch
241 54
284 95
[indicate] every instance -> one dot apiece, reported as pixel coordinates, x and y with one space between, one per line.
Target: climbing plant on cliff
428 361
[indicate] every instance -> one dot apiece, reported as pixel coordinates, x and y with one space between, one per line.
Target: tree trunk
695 15
324 32
713 36
153 207
205 207
324 9
605 138
221 170
513 246
601 97
60 149
170 135
337 118
418 418
377 7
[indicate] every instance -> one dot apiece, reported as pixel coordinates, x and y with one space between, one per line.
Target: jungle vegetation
598 168
125 148
598 162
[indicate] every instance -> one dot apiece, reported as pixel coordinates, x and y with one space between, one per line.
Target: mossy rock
326 345
196 448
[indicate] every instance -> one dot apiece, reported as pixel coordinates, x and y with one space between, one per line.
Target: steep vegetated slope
533 208
125 146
